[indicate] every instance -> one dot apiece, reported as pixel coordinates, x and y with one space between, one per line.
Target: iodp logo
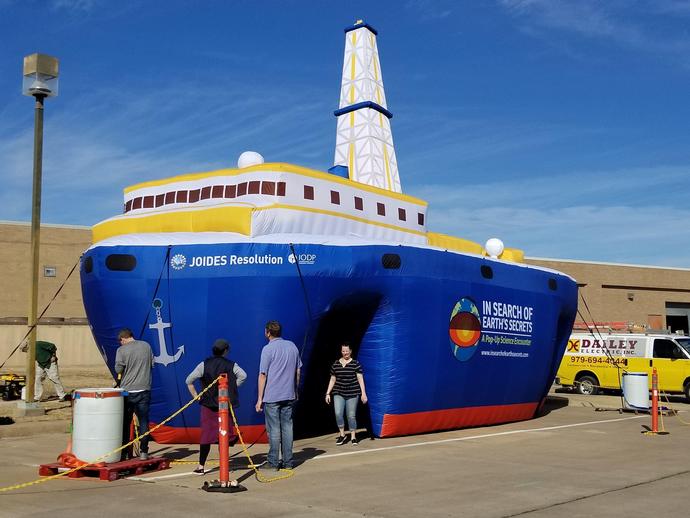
464 329
178 261
303 258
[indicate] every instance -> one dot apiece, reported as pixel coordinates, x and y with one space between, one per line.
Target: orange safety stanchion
223 485
655 401
223 427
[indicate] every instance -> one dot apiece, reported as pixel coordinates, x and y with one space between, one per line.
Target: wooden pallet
110 471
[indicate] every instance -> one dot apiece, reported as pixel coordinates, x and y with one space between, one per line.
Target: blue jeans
137 403
349 406
279 429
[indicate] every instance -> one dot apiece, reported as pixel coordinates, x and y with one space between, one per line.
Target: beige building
61 248
616 295
65 321
628 296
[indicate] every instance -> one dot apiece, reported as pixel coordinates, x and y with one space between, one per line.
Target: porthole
487 272
121 262
391 261
88 264
553 285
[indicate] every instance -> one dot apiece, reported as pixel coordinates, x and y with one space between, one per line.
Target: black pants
137 403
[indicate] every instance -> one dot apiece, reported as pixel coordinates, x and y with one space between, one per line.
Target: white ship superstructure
265 199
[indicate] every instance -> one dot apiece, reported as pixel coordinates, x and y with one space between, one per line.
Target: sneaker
341 440
199 471
64 398
143 456
354 441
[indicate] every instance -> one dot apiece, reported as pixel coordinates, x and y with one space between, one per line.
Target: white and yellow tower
364 142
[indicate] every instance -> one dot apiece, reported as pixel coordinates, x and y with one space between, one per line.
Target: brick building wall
61 247
641 295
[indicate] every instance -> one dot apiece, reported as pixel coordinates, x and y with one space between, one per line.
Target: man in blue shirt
279 372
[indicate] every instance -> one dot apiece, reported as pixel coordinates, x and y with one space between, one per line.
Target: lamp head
40 76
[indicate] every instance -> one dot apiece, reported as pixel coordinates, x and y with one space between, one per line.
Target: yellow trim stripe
464 245
351 161
388 168
279 167
212 219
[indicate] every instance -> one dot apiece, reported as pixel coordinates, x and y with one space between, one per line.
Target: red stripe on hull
435 420
173 435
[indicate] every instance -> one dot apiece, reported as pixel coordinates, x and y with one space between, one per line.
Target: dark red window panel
242 189
169 197
335 197
182 196
268 188
281 189
402 215
128 206
217 191
380 209
148 202
160 198
230 191
308 192
254 187
194 196
359 204
136 204
420 218
206 193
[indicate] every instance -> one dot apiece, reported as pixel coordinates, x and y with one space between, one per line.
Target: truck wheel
587 385
686 391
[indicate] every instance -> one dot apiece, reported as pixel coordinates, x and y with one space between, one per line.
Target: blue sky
561 127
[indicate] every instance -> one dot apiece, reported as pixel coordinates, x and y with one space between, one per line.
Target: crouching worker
207 371
46 367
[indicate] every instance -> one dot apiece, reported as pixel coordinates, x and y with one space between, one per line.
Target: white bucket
636 390
97 423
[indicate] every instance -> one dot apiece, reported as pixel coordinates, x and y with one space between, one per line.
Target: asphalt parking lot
582 457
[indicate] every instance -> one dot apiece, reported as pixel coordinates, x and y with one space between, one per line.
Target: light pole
40 81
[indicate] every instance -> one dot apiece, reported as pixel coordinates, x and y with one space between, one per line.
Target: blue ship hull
445 339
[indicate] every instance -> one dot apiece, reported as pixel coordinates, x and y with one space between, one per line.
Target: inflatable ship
450 333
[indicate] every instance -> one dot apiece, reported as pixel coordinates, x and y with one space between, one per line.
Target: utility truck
596 361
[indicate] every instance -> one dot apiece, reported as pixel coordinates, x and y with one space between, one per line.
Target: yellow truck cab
593 361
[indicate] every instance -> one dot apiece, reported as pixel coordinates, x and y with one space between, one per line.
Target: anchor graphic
163 358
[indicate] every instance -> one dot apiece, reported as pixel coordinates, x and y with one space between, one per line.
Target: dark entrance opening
346 320
677 323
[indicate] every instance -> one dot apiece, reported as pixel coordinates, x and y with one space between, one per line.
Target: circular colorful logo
464 329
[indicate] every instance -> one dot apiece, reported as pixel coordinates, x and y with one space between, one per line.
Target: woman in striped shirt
347 386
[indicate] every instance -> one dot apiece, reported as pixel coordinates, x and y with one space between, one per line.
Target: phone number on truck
598 359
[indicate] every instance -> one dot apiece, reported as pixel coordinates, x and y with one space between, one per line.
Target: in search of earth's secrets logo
178 261
464 329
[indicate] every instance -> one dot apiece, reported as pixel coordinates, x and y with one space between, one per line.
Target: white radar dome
494 247
249 158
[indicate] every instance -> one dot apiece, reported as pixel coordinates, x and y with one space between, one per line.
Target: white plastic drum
97 423
636 390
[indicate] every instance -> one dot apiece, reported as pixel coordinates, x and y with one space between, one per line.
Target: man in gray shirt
134 361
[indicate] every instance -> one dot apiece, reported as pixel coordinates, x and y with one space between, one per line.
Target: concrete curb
27 429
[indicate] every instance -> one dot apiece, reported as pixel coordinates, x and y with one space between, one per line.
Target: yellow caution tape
72 470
